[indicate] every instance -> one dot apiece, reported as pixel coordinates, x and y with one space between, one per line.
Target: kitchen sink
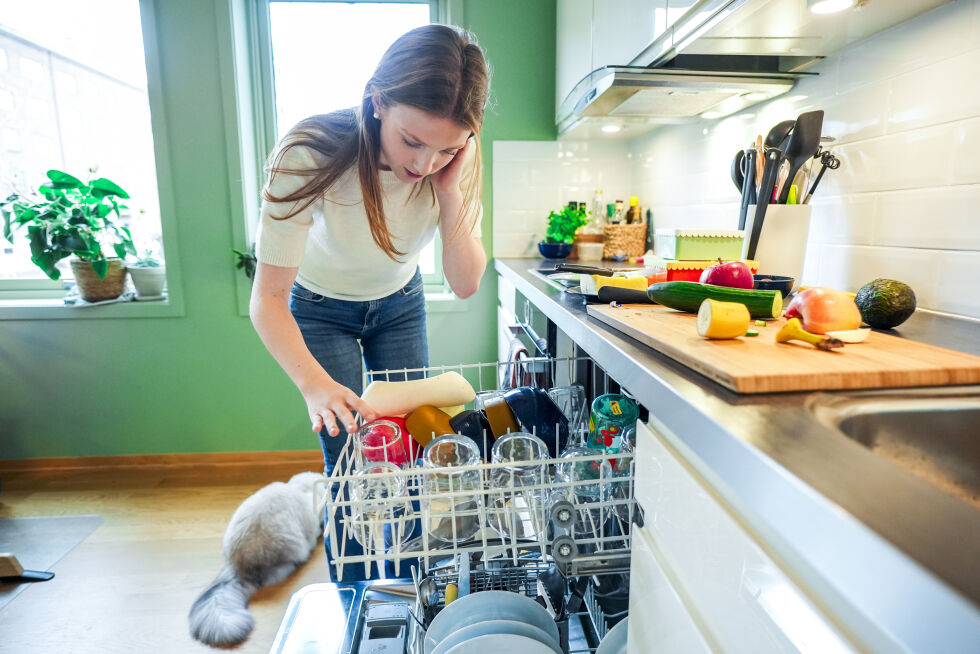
935 435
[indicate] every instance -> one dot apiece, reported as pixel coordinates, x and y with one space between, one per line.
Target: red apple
734 274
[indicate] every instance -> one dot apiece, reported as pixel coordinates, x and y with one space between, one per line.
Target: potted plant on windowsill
149 276
560 235
71 218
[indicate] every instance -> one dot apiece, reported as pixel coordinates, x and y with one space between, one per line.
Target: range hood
636 99
720 57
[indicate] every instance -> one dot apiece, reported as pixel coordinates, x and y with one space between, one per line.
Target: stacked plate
492 620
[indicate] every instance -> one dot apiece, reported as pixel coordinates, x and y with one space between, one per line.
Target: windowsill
56 309
443 302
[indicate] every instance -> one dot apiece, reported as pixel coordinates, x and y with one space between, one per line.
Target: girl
352 198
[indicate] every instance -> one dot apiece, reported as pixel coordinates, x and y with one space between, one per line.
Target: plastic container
700 244
690 271
589 251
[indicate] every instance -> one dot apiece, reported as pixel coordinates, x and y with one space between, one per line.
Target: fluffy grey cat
270 534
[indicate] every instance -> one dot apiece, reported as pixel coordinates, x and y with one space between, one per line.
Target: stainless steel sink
934 434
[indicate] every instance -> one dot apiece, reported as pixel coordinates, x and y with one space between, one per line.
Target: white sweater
330 241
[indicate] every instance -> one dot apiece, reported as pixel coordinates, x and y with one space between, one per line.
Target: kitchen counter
855 530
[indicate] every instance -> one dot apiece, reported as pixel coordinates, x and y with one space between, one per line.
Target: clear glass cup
571 400
588 486
483 397
381 511
379 441
518 509
452 500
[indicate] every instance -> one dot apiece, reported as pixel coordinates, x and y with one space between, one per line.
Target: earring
376 116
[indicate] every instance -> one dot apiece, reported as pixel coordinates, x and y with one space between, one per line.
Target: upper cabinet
621 29
596 33
574 45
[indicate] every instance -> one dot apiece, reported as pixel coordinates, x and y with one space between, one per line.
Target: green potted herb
71 218
560 235
149 276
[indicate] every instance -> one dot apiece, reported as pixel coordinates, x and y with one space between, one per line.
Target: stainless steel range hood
718 58
636 99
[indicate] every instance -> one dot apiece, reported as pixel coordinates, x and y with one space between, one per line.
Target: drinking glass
613 419
379 441
381 509
452 500
571 400
586 484
517 509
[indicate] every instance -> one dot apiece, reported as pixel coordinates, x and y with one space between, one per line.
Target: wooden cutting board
760 365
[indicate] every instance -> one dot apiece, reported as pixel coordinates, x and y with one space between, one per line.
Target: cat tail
220 617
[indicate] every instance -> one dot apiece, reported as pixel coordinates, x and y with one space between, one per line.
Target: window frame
42 298
245 44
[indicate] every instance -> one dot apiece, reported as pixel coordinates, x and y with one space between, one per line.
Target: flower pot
554 250
148 282
93 289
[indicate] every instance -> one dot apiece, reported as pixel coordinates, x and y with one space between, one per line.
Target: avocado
885 303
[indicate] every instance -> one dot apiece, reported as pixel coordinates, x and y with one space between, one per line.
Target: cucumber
688 296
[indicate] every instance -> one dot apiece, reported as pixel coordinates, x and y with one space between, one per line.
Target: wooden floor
129 585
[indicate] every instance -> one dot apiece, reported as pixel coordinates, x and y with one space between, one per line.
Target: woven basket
93 289
630 240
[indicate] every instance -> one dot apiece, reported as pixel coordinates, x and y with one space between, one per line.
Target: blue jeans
391 333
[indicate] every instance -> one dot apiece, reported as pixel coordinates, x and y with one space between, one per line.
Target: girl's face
415 144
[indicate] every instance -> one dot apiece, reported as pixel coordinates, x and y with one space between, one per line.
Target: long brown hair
438 69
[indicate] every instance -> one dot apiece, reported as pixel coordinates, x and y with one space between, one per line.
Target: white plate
615 640
488 605
489 627
503 643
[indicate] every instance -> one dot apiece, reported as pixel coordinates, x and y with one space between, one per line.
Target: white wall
533 178
904 107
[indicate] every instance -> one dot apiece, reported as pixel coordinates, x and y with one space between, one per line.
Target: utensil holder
782 243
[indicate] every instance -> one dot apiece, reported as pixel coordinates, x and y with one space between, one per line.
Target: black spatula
802 145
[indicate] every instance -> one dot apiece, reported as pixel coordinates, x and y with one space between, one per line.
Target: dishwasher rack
581 524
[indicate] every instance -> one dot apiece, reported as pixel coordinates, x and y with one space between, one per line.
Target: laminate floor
129 585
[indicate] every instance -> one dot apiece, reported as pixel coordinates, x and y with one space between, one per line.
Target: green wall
203 382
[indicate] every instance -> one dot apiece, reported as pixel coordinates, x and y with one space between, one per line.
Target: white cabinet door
621 29
741 600
666 626
574 46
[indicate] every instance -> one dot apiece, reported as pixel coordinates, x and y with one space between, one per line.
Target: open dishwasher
553 528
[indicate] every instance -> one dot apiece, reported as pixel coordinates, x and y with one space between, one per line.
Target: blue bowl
537 413
554 250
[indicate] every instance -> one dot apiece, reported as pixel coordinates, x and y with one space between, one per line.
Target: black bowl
537 413
774 283
554 250
475 425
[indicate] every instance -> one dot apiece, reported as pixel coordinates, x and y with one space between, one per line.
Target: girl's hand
446 181
328 404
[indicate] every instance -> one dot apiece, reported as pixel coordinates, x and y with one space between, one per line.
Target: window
72 102
323 52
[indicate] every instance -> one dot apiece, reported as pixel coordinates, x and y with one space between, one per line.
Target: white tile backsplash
904 109
533 178
957 274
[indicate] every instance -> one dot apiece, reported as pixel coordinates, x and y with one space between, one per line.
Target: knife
588 270
623 295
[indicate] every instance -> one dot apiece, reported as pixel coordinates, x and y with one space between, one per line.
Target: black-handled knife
579 268
623 295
